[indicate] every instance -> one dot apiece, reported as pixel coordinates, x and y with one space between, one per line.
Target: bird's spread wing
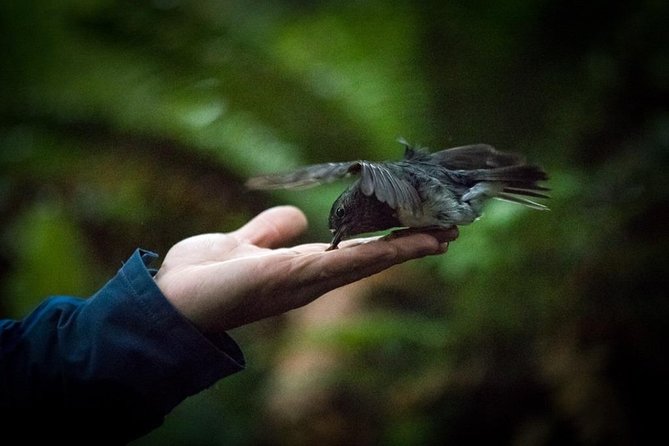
378 179
375 179
475 156
304 177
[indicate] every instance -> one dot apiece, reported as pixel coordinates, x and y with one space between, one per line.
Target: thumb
273 227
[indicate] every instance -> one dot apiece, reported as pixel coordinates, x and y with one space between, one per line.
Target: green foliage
42 238
126 124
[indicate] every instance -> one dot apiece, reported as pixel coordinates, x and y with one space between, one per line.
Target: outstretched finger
354 262
312 271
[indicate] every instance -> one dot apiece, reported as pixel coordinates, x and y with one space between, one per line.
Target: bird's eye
340 212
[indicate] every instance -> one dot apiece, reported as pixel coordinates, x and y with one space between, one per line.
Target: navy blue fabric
121 359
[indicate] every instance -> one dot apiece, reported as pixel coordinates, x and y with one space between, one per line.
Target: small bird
423 190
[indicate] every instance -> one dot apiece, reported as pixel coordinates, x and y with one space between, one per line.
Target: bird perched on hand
424 190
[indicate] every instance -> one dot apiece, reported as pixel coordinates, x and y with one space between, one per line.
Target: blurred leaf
50 258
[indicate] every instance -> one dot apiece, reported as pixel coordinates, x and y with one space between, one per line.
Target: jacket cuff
194 361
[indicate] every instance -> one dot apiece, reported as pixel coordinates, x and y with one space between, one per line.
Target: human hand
223 281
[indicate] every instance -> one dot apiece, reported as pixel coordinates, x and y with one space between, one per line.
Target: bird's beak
338 235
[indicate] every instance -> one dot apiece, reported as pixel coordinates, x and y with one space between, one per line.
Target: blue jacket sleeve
121 360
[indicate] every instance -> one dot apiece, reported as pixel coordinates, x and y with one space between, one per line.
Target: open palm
223 281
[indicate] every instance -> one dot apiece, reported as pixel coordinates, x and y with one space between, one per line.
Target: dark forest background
136 123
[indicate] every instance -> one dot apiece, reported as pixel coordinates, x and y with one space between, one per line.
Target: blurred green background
135 123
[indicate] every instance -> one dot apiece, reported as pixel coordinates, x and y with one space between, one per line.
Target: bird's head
355 213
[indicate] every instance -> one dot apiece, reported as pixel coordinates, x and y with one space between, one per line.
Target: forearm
124 351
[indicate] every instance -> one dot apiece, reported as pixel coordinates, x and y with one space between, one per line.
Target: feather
519 200
528 192
305 177
475 156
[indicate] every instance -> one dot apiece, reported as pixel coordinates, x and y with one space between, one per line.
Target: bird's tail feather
518 182
520 200
524 173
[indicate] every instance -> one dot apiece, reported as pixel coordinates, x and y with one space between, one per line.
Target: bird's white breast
423 218
442 210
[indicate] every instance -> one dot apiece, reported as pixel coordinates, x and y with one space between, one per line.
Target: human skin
223 281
